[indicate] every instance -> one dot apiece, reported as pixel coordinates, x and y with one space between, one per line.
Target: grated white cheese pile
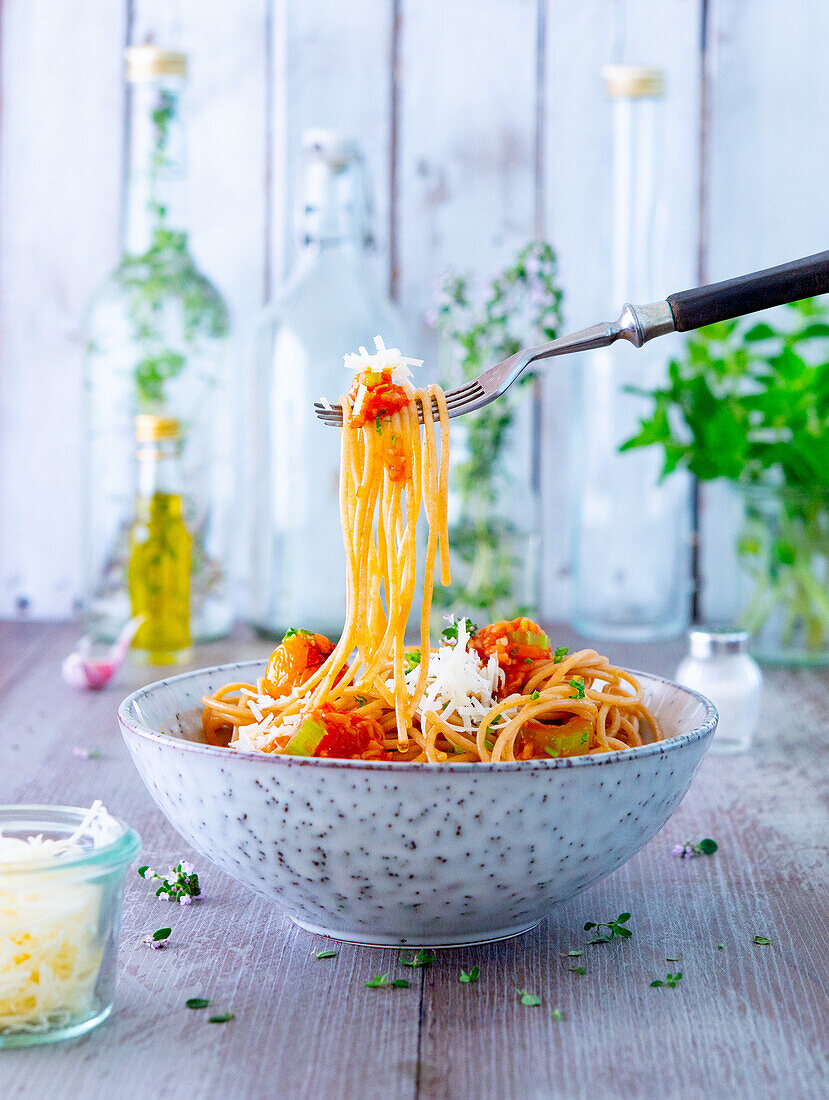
50 944
383 359
459 686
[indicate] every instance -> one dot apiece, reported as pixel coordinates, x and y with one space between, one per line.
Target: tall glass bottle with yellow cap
160 551
156 401
632 544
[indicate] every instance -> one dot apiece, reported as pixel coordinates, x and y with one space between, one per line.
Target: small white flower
148 872
186 867
185 899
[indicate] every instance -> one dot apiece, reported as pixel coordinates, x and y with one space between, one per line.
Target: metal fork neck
638 324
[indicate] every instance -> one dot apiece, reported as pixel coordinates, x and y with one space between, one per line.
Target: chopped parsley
557 1015
528 998
614 928
560 653
671 980
575 954
763 941
488 744
360 700
381 981
197 1002
422 958
536 695
576 969
450 634
326 955
577 684
379 428
411 659
293 631
472 976
223 1018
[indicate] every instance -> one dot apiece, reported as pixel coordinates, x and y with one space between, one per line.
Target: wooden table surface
744 1021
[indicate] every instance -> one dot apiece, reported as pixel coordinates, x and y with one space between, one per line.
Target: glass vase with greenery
493 503
748 402
157 335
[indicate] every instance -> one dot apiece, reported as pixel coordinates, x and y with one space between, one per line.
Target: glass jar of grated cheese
61 887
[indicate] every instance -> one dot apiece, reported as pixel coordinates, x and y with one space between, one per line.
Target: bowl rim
129 722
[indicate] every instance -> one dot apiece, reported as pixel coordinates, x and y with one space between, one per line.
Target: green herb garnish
472 976
379 428
326 955
671 980
411 659
162 934
536 695
576 969
197 1002
381 981
422 958
577 684
450 634
763 941
221 1019
560 653
614 928
575 954
293 632
528 998
360 700
557 1015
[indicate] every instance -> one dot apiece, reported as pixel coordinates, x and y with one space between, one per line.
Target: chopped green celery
526 637
307 738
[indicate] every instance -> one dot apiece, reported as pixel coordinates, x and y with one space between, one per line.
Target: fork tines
457 403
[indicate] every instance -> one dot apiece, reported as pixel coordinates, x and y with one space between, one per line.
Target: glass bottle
330 306
157 334
631 534
158 574
719 666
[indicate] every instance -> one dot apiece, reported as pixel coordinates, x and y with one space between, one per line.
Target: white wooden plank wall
484 123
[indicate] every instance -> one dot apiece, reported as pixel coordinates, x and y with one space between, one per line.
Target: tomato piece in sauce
517 659
294 660
350 736
374 395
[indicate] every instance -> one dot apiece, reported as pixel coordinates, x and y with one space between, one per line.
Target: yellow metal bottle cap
149 62
634 81
148 428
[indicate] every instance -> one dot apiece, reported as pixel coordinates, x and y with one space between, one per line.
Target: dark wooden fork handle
747 293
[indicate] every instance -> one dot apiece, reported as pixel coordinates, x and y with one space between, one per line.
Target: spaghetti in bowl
391 853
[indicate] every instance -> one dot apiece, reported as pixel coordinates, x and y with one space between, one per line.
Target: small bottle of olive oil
158 574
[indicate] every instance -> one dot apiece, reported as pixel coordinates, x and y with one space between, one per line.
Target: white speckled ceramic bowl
410 854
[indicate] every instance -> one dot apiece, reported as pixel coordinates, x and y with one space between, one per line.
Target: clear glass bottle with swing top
330 306
157 335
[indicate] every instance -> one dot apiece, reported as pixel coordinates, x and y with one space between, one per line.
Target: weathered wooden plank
331 71
580 40
467 139
744 1019
303 1027
60 179
766 194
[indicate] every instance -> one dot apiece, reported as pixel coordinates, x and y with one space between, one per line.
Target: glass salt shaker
720 667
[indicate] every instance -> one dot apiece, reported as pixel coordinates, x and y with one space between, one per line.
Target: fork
682 312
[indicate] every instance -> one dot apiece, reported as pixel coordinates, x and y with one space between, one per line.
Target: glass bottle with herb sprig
494 506
157 335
